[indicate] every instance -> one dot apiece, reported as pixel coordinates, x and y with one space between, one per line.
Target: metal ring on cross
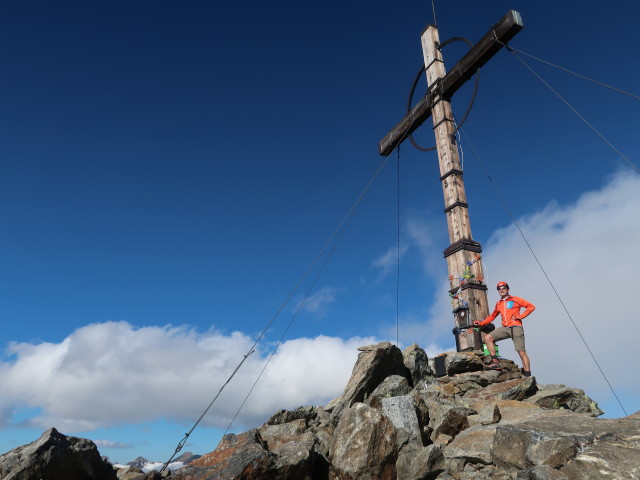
417 79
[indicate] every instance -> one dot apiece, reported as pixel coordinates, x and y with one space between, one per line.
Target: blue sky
170 169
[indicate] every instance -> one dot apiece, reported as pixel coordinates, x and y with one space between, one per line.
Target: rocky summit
397 420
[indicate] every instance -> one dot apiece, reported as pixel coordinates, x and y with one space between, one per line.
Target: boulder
563 397
130 473
242 456
374 364
446 420
477 471
420 463
153 475
55 456
461 362
274 436
286 416
364 446
470 446
469 382
417 362
392 386
294 460
401 412
514 411
489 414
541 472
293 447
434 392
580 446
518 389
322 439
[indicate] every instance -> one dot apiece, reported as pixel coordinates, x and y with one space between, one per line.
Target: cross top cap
502 285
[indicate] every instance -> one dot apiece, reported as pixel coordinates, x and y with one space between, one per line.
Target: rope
398 256
595 130
294 316
631 164
433 7
515 222
615 89
182 442
339 229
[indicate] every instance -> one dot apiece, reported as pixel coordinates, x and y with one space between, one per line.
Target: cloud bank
111 373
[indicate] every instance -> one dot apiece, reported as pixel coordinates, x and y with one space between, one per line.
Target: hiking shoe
526 373
493 365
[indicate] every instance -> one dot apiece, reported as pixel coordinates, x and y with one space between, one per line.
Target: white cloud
422 234
319 301
425 235
113 373
387 263
111 444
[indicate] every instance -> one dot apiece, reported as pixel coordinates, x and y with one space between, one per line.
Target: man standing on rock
510 308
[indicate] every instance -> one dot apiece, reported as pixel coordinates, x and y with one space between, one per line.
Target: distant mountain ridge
147 465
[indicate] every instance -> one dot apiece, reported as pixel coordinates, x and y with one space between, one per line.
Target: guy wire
517 225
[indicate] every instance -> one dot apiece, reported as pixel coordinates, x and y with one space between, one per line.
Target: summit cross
464 263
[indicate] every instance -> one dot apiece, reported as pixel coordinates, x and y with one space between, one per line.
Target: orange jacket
509 308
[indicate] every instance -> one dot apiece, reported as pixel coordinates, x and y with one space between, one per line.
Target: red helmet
502 284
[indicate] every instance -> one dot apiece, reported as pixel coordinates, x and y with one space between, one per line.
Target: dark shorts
514 333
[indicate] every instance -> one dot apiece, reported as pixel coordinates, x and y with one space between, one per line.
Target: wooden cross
463 254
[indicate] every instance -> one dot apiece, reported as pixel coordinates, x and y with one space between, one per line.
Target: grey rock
477 471
236 456
285 416
294 460
130 473
462 362
470 446
567 398
401 412
364 446
518 389
374 364
436 392
153 475
463 383
420 463
322 438
392 386
541 472
55 456
417 362
293 447
274 436
489 414
447 419
614 454
580 446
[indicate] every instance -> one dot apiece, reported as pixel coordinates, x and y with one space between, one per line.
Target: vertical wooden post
463 254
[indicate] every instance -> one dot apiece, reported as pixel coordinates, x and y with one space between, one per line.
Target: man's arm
490 318
528 307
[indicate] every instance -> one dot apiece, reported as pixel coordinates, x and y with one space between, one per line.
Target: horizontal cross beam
476 57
